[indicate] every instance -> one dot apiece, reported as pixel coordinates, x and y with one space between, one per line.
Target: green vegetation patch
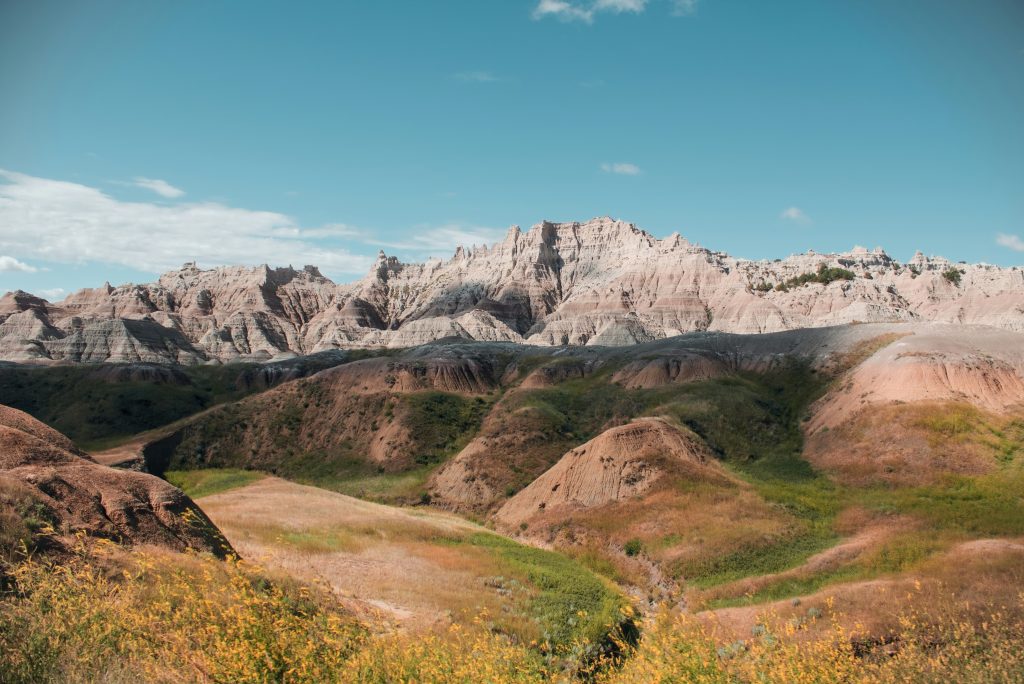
900 554
986 505
441 423
198 483
752 421
824 275
953 275
570 602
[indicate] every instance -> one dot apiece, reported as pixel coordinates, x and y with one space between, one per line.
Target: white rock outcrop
602 281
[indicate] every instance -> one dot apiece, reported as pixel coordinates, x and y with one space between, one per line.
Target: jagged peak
20 300
384 267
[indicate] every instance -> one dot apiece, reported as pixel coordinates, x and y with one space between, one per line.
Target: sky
136 136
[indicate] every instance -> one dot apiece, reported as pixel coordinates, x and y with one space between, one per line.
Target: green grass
955 508
442 423
198 483
570 602
752 421
365 482
986 505
439 424
899 555
775 555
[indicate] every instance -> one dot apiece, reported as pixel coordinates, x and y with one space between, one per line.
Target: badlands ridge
601 282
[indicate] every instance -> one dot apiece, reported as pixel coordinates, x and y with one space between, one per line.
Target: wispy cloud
475 77
52 294
563 10
586 11
441 241
64 222
620 5
160 187
9 263
1011 241
621 168
795 214
683 8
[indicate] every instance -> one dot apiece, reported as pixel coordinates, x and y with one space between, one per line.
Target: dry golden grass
112 616
371 553
418 568
921 649
159 616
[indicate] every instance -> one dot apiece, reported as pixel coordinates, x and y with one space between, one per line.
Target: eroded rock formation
600 282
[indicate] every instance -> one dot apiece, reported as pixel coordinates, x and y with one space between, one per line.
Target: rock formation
601 282
79 495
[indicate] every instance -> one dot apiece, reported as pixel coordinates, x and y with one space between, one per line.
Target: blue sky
137 135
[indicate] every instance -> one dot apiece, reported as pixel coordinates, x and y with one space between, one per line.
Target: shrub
633 547
824 275
952 275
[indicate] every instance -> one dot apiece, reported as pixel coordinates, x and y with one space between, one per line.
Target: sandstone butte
601 282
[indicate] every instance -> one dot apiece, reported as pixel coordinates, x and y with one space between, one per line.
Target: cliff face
599 282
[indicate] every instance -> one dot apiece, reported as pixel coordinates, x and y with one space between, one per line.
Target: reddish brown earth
80 496
619 464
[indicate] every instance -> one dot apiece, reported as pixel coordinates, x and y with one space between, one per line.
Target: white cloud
795 214
441 241
475 77
1012 241
586 10
160 187
9 263
683 8
67 222
565 11
53 294
620 5
621 168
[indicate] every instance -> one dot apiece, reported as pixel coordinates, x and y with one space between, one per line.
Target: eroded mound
618 464
983 367
81 496
916 443
22 422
